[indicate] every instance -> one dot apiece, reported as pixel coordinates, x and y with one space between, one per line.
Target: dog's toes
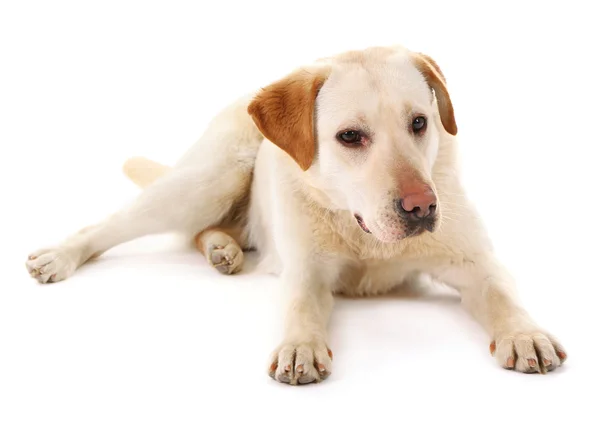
528 352
50 265
300 363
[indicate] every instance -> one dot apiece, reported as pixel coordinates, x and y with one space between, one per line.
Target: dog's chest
366 278
368 266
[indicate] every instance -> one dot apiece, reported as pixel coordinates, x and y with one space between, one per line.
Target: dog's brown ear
284 113
436 80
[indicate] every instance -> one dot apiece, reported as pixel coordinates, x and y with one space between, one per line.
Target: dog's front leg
488 293
303 356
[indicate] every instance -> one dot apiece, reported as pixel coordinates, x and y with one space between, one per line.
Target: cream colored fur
235 190
144 172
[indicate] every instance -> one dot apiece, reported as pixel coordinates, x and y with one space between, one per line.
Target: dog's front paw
528 351
301 363
51 265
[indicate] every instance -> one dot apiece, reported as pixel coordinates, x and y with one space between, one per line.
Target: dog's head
365 126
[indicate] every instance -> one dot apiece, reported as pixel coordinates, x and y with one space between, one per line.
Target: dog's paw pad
226 259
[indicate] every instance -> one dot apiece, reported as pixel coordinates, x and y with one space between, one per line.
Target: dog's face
364 127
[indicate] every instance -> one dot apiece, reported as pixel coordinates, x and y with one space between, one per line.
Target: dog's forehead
363 82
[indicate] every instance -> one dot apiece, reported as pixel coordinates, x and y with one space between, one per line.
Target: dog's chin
393 236
389 238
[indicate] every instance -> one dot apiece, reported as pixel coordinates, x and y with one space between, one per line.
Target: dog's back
227 148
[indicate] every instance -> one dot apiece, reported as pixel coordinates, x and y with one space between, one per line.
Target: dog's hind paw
51 265
227 259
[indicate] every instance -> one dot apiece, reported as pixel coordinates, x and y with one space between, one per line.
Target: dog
344 176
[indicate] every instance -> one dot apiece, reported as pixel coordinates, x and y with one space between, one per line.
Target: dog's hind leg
183 200
209 184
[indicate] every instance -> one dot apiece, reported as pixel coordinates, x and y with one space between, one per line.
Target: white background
149 337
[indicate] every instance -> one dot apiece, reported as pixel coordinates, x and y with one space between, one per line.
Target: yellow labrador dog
343 176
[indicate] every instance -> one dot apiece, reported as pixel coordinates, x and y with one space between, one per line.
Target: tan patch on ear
434 64
435 79
284 113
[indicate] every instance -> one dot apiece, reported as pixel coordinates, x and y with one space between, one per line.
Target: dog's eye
350 138
419 123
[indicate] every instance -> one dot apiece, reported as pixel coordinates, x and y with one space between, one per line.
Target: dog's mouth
361 223
409 231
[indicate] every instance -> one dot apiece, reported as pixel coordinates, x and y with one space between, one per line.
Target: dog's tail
144 172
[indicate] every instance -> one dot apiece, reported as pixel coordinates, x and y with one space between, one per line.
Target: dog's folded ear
436 80
284 113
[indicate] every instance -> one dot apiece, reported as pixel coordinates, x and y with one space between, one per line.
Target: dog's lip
361 223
